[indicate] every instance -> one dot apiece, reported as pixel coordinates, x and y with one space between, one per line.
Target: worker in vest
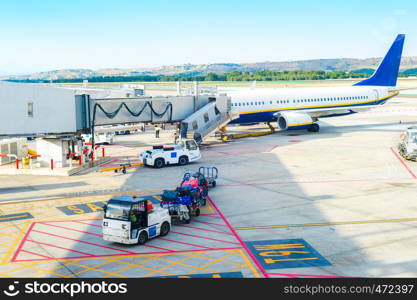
157 130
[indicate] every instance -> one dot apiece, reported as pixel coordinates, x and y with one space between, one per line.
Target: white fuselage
262 105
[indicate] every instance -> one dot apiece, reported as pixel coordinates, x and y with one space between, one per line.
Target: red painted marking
210 223
84 242
184 243
239 239
107 163
204 229
59 247
22 242
308 275
90 224
403 163
273 148
294 141
210 215
203 237
60 221
138 253
71 229
158 248
36 254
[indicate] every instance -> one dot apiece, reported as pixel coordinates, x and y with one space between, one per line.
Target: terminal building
56 117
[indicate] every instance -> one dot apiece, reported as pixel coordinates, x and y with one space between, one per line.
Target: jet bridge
50 111
198 115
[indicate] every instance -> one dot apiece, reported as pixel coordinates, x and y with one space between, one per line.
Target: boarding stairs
205 121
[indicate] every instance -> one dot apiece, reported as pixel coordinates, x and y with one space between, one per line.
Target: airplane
301 108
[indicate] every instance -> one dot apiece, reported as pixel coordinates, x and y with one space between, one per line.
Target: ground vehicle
122 132
133 220
408 145
184 151
99 138
210 174
182 203
199 183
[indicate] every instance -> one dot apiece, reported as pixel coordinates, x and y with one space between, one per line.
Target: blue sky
41 35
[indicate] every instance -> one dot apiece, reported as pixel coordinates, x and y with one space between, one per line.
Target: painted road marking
404 164
15 217
209 275
283 254
90 207
329 224
86 235
78 239
83 208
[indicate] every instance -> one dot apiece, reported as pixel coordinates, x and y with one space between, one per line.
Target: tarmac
338 203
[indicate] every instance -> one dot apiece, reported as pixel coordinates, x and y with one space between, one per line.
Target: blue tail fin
387 72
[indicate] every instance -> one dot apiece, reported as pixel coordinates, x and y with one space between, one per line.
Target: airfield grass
171 86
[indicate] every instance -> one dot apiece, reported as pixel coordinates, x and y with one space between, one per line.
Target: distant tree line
264 75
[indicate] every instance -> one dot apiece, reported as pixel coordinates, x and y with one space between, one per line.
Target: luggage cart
210 174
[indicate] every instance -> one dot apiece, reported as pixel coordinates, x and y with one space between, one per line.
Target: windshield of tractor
118 210
412 137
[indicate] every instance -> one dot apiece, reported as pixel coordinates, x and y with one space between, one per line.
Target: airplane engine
294 121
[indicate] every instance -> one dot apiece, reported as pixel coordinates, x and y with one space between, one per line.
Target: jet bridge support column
195 95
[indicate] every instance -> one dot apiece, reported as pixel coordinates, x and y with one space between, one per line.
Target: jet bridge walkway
33 110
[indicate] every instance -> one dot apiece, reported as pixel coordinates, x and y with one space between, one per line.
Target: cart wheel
143 237
115 171
164 228
197 212
124 170
204 202
187 221
213 184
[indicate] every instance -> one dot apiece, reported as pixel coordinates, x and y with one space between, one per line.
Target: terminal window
30 109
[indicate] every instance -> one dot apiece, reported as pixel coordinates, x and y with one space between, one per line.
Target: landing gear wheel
164 228
159 163
143 237
314 127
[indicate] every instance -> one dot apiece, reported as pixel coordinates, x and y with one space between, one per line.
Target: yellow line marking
78 196
296 259
16 241
319 106
93 268
129 266
180 262
330 223
47 271
249 264
13 217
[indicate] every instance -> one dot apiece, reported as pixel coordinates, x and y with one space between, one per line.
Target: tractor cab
408 144
130 220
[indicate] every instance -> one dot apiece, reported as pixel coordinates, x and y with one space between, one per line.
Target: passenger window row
302 100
